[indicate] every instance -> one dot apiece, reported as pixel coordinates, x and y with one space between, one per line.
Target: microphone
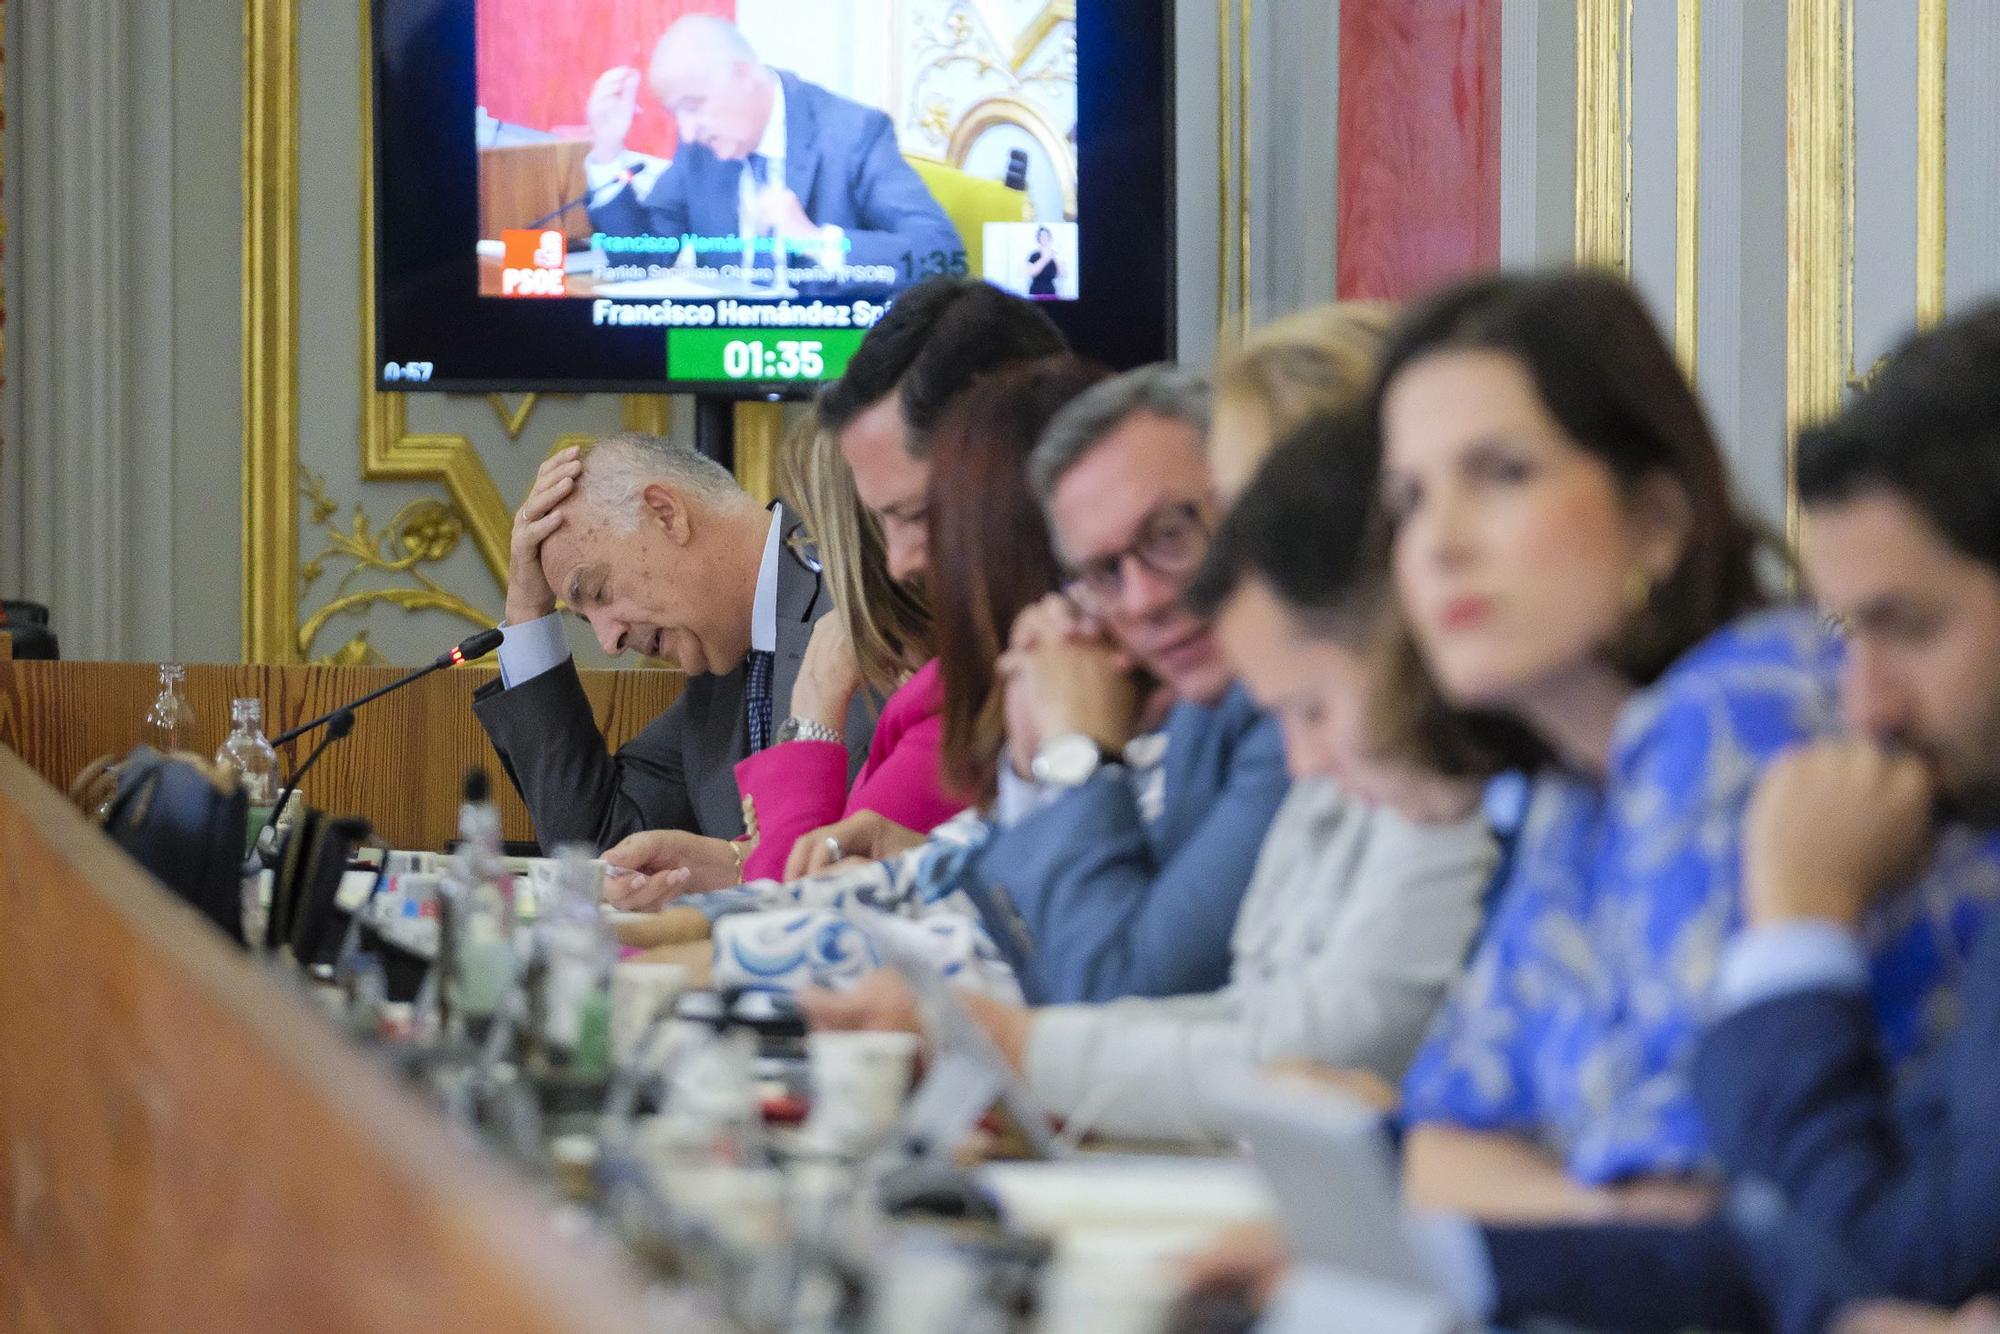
1017 169
473 646
593 197
337 726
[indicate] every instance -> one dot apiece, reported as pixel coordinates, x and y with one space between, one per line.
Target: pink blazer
795 788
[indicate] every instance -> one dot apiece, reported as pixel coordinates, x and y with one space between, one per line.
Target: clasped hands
1064 674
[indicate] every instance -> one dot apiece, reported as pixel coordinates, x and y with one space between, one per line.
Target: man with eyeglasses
1142 779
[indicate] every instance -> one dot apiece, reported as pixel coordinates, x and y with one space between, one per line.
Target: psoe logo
532 264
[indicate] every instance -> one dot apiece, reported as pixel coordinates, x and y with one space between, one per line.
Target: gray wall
119 479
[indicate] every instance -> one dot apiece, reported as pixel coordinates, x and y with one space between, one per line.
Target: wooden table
186 1145
401 767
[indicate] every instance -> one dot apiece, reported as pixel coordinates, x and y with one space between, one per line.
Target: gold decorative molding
1232 92
1008 109
423 532
1687 184
513 420
1243 312
1819 82
270 329
1604 133
650 414
760 430
1053 16
1931 33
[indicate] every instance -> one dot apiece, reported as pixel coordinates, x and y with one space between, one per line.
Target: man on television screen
800 176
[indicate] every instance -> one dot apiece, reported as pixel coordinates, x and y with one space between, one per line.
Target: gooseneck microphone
592 197
338 726
473 646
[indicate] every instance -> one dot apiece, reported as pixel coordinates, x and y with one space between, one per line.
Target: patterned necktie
757 699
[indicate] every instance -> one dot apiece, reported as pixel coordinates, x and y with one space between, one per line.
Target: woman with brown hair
1579 605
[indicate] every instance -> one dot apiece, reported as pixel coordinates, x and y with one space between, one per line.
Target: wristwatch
1069 760
796 728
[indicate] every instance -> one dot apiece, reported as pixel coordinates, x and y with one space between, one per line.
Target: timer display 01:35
771 357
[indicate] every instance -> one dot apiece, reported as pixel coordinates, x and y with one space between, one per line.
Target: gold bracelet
736 846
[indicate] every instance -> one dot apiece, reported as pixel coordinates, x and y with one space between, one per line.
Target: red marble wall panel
1419 171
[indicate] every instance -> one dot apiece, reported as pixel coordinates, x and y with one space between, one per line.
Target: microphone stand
439 665
339 722
589 198
338 725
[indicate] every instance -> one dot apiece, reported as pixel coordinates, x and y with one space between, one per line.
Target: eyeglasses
1171 542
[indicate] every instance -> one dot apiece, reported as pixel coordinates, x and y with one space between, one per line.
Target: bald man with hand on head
661 552
762 154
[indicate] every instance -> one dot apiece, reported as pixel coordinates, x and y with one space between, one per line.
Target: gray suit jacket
679 772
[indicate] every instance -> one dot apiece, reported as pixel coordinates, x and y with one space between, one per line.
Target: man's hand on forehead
529 593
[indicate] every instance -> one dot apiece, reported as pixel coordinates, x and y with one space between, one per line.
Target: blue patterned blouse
1575 1023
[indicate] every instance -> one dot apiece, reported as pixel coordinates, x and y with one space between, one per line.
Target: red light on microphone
457 657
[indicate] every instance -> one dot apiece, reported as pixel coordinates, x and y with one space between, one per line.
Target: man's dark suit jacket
1845 1185
680 772
841 160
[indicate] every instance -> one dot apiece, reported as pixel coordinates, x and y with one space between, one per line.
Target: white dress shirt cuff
526 651
1018 797
1786 958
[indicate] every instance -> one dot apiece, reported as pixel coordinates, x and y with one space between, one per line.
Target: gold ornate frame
1687 182
1604 134
1931 38
270 329
1232 157
1819 226
388 449
1008 109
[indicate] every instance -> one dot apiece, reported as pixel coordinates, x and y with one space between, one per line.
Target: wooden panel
1419 174
401 767
189 1147
521 183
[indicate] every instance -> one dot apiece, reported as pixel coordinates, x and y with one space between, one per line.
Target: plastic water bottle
248 754
477 881
170 723
579 948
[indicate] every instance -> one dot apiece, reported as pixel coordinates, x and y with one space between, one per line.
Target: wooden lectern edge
482 1206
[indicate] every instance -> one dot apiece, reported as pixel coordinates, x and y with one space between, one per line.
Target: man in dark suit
662 553
802 176
1851 1183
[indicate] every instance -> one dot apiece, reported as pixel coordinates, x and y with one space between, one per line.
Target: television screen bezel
425 280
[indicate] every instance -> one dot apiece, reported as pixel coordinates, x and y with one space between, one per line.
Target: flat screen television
721 196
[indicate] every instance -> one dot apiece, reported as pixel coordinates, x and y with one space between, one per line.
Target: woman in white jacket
1368 890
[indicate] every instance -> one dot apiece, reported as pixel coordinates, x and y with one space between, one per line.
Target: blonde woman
1310 364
